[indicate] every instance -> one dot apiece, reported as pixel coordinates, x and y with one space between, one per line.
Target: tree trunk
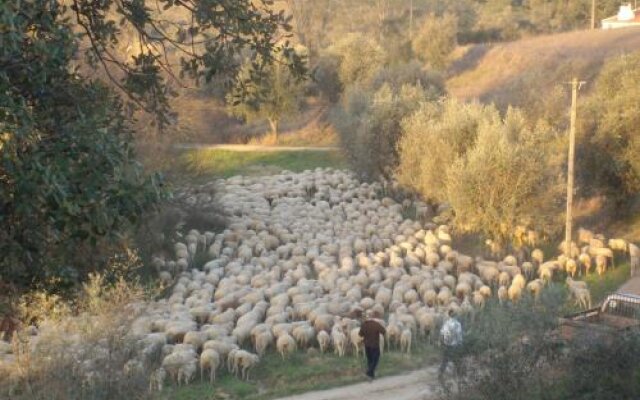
273 123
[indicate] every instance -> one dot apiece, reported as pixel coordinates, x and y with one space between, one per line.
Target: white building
627 17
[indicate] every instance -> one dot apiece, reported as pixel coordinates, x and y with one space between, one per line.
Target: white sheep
405 341
211 360
286 345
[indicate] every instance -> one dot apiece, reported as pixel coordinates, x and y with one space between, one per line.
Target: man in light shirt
451 337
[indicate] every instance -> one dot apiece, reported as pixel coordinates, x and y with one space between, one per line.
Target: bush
436 40
411 73
514 351
359 57
327 79
511 177
443 131
610 131
82 346
369 126
505 345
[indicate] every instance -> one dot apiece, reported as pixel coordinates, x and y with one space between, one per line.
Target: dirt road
417 385
249 147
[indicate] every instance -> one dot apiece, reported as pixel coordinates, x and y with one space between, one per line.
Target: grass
207 163
302 372
602 286
499 72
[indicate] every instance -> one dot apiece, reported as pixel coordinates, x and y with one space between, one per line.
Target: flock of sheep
304 255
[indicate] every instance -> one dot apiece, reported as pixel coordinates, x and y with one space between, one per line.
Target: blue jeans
373 356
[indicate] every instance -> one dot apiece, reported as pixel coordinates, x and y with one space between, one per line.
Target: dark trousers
373 356
450 354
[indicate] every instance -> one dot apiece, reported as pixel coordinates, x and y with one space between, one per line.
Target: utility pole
410 19
593 14
575 86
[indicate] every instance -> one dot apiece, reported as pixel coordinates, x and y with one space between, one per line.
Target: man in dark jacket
371 331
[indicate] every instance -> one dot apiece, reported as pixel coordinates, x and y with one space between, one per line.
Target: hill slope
501 73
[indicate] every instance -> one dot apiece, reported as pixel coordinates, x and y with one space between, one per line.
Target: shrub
436 40
505 345
327 79
610 131
411 73
82 346
433 138
512 176
369 126
360 57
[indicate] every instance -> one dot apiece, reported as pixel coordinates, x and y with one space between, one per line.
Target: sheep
514 292
535 287
405 341
394 331
601 264
618 245
584 260
262 342
339 340
324 341
209 359
285 345
571 267
356 340
176 364
244 362
537 257
156 379
582 298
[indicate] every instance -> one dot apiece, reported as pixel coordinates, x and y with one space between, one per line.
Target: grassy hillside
501 73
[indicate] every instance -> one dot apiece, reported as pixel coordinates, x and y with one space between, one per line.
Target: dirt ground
417 385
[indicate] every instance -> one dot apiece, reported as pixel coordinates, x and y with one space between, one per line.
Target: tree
360 57
433 139
510 177
273 96
68 175
369 125
436 40
611 129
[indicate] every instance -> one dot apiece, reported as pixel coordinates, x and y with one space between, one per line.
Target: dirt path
249 147
417 385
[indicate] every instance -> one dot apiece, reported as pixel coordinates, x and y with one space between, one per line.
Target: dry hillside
502 72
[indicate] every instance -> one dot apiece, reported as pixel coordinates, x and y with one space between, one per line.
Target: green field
302 372
225 163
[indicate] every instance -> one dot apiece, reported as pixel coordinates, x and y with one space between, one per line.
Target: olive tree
68 174
610 131
359 57
274 96
368 119
511 176
433 139
436 40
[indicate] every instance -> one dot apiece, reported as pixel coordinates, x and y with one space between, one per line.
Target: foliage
68 176
82 346
411 73
369 125
504 346
610 133
512 176
360 57
514 351
433 138
327 79
436 40
273 95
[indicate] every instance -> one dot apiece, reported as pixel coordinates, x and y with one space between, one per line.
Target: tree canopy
68 174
